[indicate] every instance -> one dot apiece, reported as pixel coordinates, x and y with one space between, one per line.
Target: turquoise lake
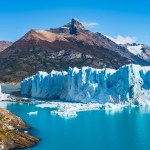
128 129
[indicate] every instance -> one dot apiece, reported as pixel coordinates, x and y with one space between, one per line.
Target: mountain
59 48
4 45
140 50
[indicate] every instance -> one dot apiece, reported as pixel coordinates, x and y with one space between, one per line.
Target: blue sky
127 18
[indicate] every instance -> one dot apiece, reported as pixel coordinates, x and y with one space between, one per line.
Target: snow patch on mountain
128 42
136 50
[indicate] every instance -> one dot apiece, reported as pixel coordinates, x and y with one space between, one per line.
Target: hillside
69 45
4 45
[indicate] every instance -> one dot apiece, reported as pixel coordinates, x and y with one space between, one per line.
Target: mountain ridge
4 45
70 45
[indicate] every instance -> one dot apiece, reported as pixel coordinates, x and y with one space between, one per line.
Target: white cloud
122 40
89 24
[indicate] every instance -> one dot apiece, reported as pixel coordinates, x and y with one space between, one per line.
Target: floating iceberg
69 110
65 114
130 83
33 113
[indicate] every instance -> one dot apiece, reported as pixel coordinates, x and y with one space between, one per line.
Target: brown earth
4 45
10 137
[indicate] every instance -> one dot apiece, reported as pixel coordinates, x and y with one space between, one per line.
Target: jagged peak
75 22
73 27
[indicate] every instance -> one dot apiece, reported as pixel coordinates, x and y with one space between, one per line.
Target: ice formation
3 96
33 113
130 83
69 110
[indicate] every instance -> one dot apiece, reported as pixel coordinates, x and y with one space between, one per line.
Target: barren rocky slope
67 46
4 45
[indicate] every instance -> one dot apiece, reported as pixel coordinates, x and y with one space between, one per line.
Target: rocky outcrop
10 137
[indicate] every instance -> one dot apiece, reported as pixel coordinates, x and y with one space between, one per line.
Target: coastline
10 136
12 127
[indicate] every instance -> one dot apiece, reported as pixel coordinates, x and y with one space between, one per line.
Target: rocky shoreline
10 136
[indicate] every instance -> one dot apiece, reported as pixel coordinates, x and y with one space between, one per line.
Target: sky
121 20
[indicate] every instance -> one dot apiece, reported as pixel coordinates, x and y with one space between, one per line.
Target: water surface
128 129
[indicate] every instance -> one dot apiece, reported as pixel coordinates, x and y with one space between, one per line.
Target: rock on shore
10 137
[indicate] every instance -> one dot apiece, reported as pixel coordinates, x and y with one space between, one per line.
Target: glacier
5 97
128 84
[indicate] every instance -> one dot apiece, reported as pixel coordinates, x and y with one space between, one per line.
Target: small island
10 136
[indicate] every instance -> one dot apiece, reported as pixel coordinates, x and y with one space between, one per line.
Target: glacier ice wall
3 96
130 83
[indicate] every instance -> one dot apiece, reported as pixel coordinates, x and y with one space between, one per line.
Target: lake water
128 129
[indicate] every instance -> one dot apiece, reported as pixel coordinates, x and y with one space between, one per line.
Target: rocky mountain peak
75 26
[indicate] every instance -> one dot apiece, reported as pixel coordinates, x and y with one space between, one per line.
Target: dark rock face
4 45
74 26
68 46
10 137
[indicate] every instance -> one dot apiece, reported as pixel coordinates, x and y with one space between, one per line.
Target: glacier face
130 83
3 96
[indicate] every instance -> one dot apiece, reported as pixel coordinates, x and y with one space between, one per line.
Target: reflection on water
144 109
113 111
